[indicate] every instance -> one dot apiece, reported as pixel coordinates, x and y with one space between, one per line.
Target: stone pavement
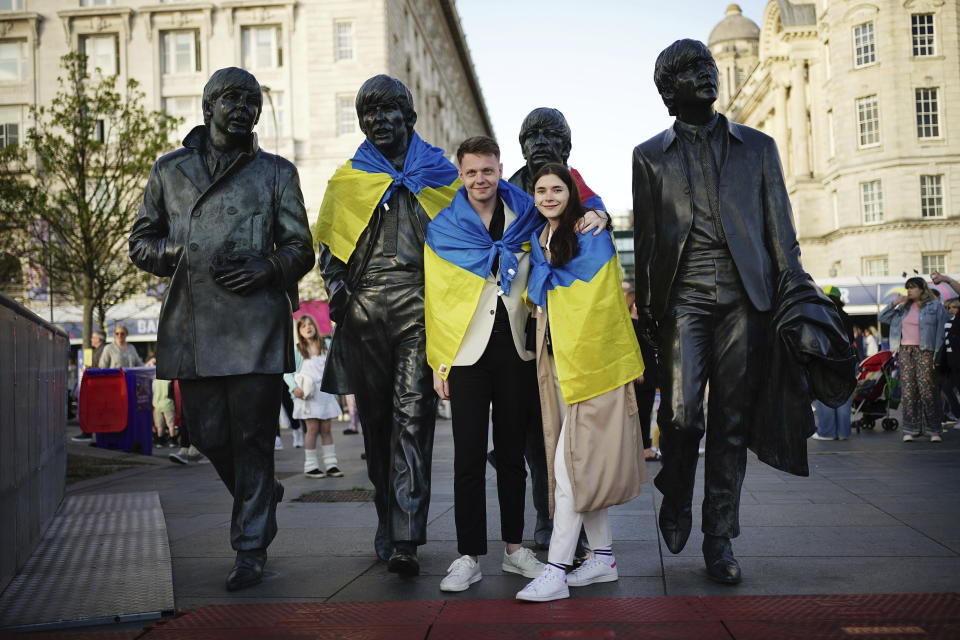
876 515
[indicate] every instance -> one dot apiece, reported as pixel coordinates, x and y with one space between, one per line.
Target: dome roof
734 26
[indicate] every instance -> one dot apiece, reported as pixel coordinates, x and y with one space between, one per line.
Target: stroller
877 392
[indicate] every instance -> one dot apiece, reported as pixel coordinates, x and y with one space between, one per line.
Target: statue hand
595 221
647 326
243 272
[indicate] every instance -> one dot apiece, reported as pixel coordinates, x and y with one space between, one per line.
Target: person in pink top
916 333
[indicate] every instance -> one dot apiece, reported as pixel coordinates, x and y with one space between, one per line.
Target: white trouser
566 521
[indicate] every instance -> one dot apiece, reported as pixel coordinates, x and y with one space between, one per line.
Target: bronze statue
225 221
371 229
716 253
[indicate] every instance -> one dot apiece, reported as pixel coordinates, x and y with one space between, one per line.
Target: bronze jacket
184 221
754 211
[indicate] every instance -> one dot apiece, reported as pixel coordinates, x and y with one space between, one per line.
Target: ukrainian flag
458 257
368 179
594 344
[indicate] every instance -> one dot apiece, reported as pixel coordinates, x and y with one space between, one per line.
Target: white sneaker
462 573
817 436
907 437
522 561
549 585
591 571
935 437
278 444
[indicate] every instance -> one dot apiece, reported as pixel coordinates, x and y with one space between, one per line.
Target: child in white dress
312 405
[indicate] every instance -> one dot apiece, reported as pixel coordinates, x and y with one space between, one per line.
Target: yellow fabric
452 294
350 199
594 344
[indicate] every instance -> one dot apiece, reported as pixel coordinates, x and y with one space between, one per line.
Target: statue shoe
675 523
722 567
404 561
247 570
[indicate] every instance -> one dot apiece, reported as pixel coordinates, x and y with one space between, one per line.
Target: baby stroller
877 392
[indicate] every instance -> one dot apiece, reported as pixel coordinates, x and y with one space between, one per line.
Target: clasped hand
242 272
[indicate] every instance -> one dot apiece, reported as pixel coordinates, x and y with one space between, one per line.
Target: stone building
861 98
311 56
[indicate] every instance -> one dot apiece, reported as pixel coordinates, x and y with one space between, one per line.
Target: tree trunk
87 311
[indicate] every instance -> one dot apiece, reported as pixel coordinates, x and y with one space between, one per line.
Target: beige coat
603 446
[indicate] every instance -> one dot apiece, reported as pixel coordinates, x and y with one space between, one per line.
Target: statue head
232 101
386 114
544 138
686 76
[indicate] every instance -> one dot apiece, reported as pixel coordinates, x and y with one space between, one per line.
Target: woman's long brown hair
563 244
303 345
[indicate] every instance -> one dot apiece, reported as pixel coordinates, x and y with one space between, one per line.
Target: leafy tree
91 150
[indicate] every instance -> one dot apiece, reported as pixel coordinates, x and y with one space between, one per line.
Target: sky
591 60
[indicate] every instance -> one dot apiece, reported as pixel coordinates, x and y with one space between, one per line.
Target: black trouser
710 333
645 400
232 420
386 337
499 377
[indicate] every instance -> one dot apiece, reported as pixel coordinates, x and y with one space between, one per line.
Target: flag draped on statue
368 179
457 259
594 345
588 197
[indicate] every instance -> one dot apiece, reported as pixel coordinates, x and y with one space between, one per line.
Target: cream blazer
481 325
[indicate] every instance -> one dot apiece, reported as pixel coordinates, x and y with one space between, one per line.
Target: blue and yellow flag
457 259
368 179
594 345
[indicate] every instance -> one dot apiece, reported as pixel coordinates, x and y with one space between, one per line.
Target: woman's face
953 308
308 331
551 195
913 292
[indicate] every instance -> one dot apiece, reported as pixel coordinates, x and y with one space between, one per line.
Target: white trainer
907 437
591 571
522 561
551 584
462 573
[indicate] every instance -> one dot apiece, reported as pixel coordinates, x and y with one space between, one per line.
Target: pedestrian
97 345
164 427
590 425
315 407
187 452
354 427
120 353
835 423
871 341
858 344
475 270
949 362
916 335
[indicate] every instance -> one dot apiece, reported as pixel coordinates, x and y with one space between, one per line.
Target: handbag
305 383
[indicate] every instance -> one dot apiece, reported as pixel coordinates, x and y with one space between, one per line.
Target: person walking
916 335
871 341
120 353
835 423
164 428
315 407
949 362
590 425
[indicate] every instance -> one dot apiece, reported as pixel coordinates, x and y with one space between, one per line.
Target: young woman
916 334
311 405
587 361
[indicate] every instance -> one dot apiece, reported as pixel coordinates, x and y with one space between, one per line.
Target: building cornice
893 225
179 9
232 6
9 18
68 16
460 42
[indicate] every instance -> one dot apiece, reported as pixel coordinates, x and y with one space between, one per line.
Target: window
875 266
868 121
181 51
11 5
928 113
931 262
931 196
921 25
266 131
864 45
102 53
871 202
262 48
13 61
830 134
186 107
342 40
9 126
346 115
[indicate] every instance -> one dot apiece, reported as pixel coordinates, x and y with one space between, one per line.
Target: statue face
697 83
544 143
384 125
236 111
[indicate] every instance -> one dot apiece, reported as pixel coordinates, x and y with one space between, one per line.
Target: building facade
862 99
310 56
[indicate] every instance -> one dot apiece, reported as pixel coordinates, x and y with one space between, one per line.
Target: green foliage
91 149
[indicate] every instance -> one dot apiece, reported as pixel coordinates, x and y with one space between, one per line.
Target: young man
476 271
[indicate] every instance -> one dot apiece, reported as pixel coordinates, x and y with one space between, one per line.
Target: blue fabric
594 202
933 315
592 254
424 166
458 236
833 423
